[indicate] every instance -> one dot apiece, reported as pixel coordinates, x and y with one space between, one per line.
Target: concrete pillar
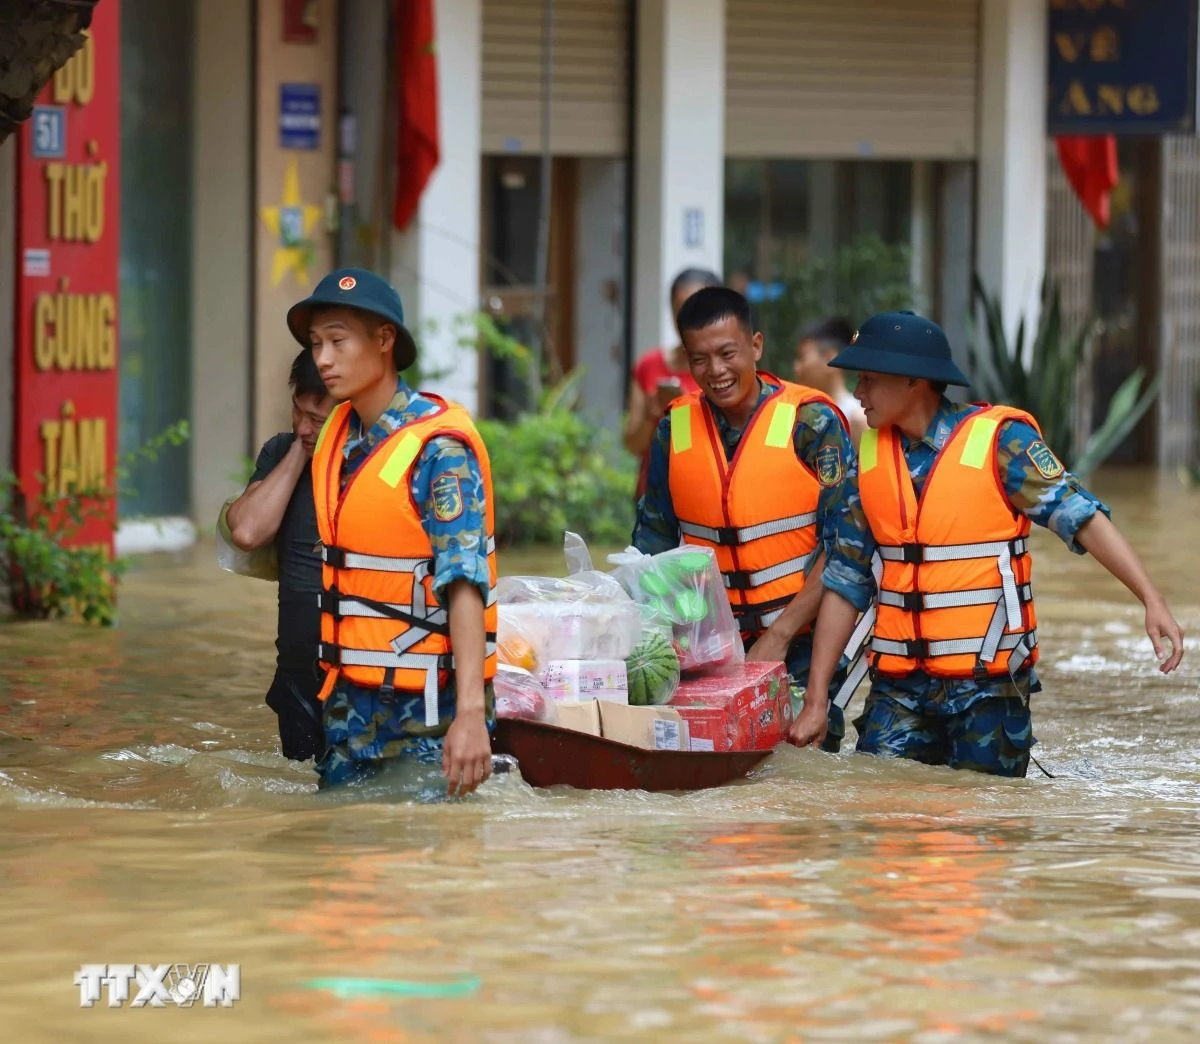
221 269
1010 246
680 179
599 287
436 262
293 187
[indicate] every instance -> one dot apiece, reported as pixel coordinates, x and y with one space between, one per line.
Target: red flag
417 146
1090 164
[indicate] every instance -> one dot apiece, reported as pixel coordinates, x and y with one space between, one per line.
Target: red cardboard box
746 706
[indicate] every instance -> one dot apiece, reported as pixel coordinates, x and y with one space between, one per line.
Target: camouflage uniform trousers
365 729
962 724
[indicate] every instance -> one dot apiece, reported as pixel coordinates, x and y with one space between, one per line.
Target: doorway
508 277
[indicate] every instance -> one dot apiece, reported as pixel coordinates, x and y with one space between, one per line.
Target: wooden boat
549 755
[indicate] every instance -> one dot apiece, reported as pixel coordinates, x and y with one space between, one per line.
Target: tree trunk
37 37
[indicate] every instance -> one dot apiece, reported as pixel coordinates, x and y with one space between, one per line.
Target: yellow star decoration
291 222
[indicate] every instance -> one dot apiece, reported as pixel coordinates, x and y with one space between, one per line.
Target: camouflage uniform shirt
1036 485
818 429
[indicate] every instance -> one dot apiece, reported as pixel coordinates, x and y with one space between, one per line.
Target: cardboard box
651 728
746 706
579 715
587 679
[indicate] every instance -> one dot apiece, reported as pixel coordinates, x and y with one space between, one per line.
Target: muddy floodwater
146 817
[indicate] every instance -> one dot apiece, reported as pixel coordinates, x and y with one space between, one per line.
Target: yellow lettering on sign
1111 99
1076 101
43 332
74 454
93 454
74 331
106 333
76 81
1106 45
75 201
1143 99
50 432
1070 46
53 172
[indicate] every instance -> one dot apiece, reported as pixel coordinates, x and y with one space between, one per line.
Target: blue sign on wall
299 115
1122 67
49 132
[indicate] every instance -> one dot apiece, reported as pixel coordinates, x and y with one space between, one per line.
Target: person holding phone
660 376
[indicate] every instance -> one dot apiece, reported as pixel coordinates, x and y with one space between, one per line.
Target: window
156 246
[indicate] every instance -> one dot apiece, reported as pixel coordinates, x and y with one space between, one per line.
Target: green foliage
471 331
553 470
864 277
1040 378
47 572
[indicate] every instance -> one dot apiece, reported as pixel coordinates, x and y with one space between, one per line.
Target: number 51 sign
49 124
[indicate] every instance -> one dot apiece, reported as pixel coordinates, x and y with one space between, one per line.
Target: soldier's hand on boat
466 754
1165 634
808 730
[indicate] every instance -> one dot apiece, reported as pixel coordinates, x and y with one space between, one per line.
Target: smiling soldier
750 466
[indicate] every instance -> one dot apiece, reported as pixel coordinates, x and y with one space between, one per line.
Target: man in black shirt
277 508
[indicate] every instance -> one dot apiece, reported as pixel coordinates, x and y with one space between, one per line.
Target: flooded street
147 818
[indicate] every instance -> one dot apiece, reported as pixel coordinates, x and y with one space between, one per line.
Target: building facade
257 144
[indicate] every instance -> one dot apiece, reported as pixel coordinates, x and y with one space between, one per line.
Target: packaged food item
587 616
746 706
586 679
520 695
682 590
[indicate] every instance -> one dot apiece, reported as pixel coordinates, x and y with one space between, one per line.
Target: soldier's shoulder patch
1047 464
447 498
830 469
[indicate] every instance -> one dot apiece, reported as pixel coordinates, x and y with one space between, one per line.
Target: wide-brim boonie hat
904 344
356 288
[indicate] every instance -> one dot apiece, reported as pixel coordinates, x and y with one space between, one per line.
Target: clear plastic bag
520 695
682 589
260 564
585 616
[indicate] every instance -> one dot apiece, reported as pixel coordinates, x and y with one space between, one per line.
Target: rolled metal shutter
1179 229
590 83
838 79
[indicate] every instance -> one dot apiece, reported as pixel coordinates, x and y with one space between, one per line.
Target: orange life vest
955 596
381 625
758 511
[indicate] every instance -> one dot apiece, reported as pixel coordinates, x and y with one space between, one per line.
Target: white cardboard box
587 680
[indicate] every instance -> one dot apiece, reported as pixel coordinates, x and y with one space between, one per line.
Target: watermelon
652 670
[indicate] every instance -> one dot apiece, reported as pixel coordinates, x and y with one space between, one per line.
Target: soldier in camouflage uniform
366 726
975 722
820 442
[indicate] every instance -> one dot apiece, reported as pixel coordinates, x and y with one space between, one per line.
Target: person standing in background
276 513
817 346
660 376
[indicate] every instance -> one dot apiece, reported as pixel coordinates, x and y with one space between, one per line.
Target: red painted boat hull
552 756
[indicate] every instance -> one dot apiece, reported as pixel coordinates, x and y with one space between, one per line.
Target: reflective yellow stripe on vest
868 450
681 429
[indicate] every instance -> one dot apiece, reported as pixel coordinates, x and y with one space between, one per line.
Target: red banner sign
68 225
